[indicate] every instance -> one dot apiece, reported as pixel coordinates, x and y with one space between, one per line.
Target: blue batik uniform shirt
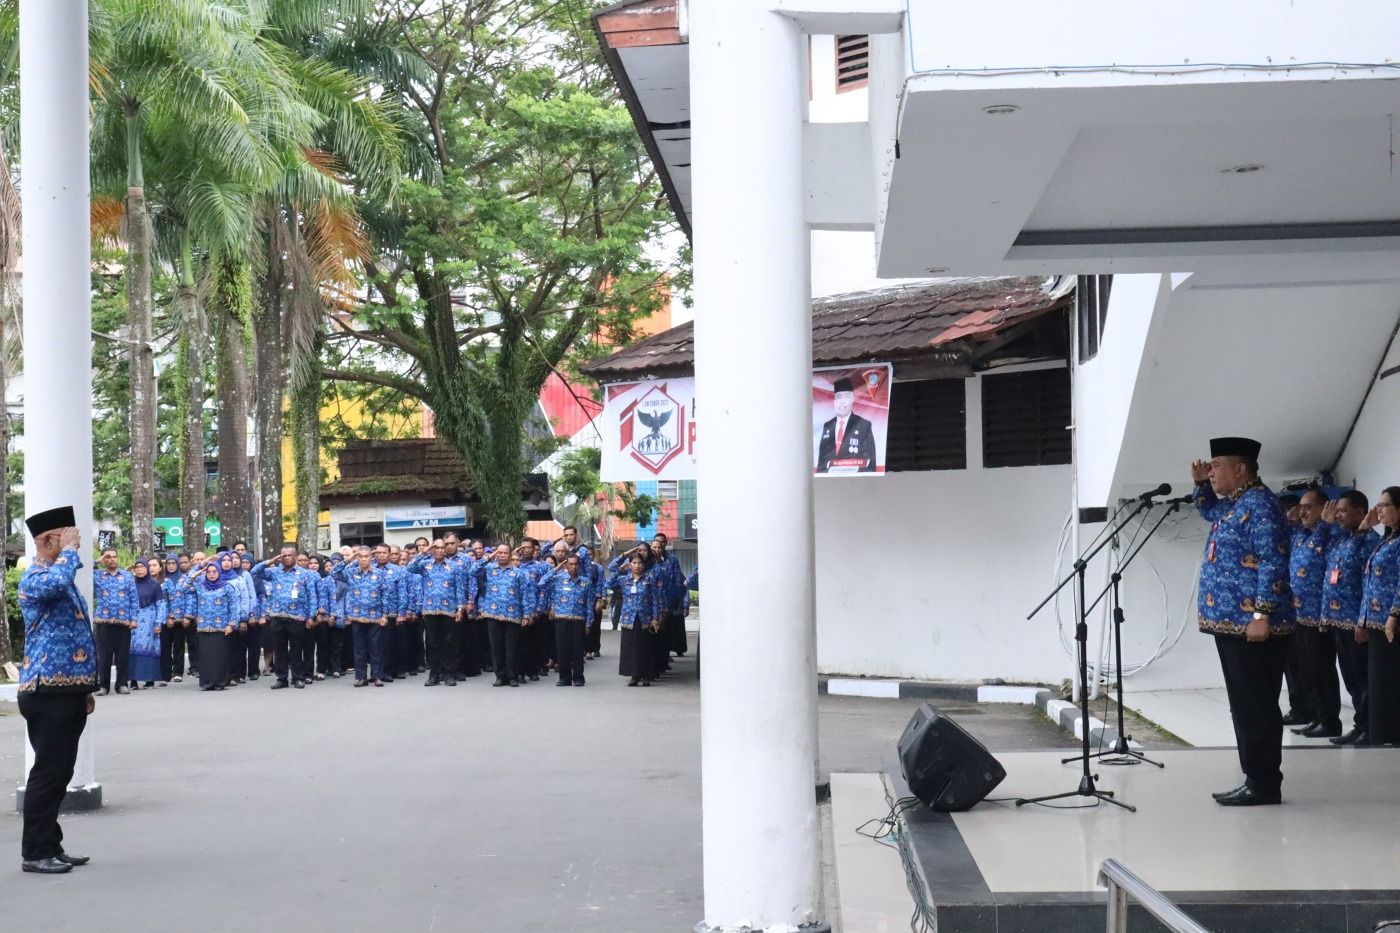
441 585
291 593
114 597
1345 576
509 594
1381 579
640 602
1307 563
566 597
1245 566
364 594
59 654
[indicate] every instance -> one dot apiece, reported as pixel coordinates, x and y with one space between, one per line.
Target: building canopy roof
944 327
418 466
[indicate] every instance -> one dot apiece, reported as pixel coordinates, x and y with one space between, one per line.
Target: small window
1025 418
928 426
1091 312
668 489
357 533
852 62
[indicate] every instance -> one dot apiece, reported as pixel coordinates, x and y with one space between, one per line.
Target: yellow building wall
352 412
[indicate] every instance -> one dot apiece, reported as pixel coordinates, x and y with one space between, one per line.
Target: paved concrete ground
410 809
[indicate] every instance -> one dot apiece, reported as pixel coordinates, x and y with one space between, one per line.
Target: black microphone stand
1122 752
1087 787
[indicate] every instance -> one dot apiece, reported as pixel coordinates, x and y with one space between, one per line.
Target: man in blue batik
115 613
1313 648
1246 603
57 678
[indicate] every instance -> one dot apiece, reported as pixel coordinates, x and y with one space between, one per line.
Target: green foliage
12 613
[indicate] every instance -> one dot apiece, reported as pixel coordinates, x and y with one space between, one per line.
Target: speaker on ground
944 766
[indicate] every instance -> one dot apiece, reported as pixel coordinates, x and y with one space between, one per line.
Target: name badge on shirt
294 592
1336 576
634 589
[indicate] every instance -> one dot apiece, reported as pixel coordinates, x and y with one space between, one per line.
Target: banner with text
648 430
850 419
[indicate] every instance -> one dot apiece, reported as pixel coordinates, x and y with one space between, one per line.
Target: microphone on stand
1163 490
1179 500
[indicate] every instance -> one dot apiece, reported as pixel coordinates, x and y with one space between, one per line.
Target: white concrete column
753 357
57 259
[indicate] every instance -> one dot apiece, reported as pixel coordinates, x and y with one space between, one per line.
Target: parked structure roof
948 322
420 466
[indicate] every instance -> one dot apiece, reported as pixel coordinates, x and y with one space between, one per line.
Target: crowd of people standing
450 609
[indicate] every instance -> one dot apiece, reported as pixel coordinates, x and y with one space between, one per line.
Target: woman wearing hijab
241 586
638 592
150 620
172 639
215 622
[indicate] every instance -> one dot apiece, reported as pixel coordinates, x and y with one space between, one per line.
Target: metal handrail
1123 884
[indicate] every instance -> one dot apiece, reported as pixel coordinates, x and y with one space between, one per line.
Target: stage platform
1326 861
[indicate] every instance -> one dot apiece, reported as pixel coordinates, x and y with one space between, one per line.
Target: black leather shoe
1295 719
451 682
362 683
280 685
1351 738
74 860
1318 731
579 682
1248 797
46 866
299 685
123 691
562 683
1304 730
1221 794
430 682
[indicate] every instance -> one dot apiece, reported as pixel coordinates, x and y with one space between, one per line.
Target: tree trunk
270 374
194 335
306 447
142 360
230 309
6 656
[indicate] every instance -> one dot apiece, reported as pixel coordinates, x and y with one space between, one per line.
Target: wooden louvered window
928 426
852 62
1025 418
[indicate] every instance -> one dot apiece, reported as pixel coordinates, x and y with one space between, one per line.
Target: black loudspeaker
944 766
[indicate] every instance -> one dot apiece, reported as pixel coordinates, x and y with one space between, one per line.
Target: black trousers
467 659
288 646
568 649
213 649
370 643
505 647
484 655
237 645
593 640
1299 700
250 663
172 651
1383 679
539 638
336 645
616 612
443 648
1253 677
113 649
1318 674
417 654
1355 664
192 643
402 648
54 721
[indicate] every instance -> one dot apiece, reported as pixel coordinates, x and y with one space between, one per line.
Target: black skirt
1383 659
638 655
213 659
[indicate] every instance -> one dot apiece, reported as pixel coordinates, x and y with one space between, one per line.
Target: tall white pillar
753 358
54 188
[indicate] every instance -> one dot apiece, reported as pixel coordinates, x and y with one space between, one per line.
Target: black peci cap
1242 447
41 522
842 385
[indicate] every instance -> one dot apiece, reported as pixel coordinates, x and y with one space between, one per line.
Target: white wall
1371 459
931 574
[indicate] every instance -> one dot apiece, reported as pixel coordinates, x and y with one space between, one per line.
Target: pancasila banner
648 430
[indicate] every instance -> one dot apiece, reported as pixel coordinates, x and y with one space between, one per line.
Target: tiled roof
412 465
902 322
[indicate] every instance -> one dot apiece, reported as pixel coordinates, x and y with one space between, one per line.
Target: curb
1061 712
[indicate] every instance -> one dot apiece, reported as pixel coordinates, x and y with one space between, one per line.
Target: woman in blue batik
637 590
215 621
150 619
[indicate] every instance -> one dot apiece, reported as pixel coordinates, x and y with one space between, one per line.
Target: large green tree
535 239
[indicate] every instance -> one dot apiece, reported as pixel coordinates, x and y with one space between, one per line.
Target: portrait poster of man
850 418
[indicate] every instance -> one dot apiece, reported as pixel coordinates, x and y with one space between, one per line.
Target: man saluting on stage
1246 602
56 683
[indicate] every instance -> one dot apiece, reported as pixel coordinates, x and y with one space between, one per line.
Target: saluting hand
1200 471
1372 519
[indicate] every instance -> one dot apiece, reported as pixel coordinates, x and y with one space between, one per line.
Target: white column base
84 793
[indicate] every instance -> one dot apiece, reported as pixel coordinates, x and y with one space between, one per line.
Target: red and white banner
850 419
648 430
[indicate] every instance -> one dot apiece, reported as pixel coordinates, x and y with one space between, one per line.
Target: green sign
171 531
